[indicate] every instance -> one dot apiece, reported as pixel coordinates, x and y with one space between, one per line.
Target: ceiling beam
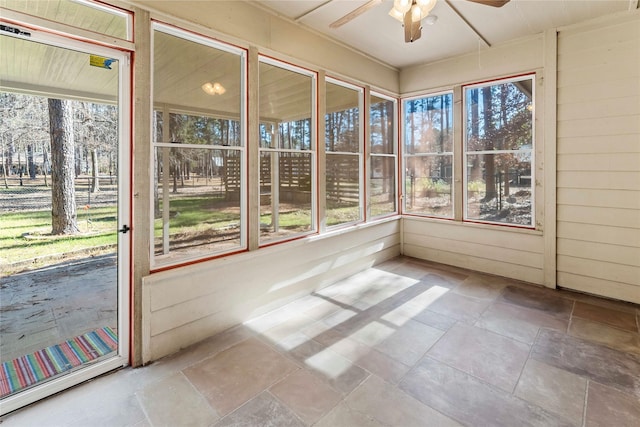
311 11
355 13
457 12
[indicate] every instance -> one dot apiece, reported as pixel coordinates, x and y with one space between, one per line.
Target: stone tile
199 351
610 316
517 322
491 357
596 362
316 307
343 416
269 320
544 300
391 406
480 286
599 301
290 326
385 289
309 397
370 359
411 269
174 401
235 375
609 407
603 334
470 401
413 303
123 411
435 320
553 389
444 278
372 333
408 343
77 407
339 372
459 307
263 410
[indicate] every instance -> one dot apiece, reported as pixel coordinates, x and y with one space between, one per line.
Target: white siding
598 162
518 254
185 305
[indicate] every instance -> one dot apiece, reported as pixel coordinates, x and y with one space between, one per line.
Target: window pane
197 202
285 195
499 117
429 124
428 156
189 129
287 161
295 135
428 185
382 117
342 135
343 188
342 119
191 76
286 98
383 185
198 95
382 178
499 188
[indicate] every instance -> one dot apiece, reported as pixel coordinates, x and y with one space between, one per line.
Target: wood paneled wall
183 306
598 197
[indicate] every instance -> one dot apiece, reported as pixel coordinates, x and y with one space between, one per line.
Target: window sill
476 225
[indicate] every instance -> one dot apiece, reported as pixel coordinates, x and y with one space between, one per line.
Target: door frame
67 40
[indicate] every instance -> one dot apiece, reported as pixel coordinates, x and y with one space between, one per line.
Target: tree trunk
31 166
95 183
63 201
489 159
45 166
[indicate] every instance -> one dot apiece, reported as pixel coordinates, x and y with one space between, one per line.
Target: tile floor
405 343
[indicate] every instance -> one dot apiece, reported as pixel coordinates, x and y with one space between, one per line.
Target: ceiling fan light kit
411 13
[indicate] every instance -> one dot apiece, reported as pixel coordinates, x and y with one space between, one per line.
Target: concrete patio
48 306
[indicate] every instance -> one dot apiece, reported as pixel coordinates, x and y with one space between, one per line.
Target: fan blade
412 30
494 3
355 13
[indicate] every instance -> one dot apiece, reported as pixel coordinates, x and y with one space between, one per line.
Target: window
428 155
498 152
383 143
495 151
287 151
343 154
199 149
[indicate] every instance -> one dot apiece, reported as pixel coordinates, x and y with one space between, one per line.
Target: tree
63 203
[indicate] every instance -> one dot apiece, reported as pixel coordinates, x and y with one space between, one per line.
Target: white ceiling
380 36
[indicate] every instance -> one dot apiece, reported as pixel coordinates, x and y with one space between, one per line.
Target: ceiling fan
409 12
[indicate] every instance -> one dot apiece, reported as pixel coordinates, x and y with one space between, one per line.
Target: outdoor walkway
406 343
48 306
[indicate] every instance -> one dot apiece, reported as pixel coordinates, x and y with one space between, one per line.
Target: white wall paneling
185 305
598 235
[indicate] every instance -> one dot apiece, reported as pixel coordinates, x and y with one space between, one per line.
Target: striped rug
30 369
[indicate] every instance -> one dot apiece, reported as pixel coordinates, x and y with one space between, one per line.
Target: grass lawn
25 235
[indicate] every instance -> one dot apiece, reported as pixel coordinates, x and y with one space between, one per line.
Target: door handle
124 229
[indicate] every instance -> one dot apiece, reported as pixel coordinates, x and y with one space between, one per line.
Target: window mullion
458 153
